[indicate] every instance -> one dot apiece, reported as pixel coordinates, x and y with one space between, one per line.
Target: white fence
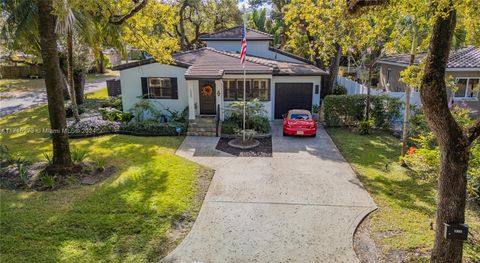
357 88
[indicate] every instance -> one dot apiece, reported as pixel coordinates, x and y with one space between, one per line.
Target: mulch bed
81 174
262 150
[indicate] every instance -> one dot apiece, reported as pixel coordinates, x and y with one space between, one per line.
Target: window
159 88
254 88
467 88
229 89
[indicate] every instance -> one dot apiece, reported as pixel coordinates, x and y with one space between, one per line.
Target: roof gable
235 33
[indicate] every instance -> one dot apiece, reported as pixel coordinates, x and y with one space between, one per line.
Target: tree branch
119 19
354 5
473 132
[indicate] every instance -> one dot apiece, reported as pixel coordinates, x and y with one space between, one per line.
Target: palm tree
65 25
48 43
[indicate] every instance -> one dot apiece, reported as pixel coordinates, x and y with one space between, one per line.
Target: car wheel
284 134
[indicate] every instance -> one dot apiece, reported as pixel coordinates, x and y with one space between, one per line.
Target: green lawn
127 217
406 204
21 84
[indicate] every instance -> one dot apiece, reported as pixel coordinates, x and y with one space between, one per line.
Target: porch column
191 99
219 96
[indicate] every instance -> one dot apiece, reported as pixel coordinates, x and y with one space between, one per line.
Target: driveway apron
301 205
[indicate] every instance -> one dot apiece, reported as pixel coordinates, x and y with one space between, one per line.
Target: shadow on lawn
126 217
410 193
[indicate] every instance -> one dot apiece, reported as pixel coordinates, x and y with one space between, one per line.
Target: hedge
349 110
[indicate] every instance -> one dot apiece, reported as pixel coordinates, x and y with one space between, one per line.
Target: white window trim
251 81
467 86
162 79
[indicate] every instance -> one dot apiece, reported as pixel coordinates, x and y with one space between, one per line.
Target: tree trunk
406 117
408 91
64 84
369 87
454 151
101 66
334 65
79 84
73 99
53 83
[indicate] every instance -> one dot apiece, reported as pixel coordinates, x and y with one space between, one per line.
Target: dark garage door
292 96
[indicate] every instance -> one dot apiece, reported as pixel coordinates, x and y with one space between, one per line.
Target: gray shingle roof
235 33
468 57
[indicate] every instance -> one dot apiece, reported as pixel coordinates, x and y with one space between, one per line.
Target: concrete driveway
301 205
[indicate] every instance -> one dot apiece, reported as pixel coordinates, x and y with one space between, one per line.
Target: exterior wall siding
132 87
255 48
397 86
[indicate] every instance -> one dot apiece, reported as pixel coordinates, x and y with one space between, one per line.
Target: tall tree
453 141
65 25
198 17
48 43
320 25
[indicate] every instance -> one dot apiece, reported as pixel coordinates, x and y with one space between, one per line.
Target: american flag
243 45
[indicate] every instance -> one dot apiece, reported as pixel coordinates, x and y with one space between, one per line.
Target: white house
208 79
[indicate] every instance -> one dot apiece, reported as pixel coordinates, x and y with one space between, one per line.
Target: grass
127 217
406 204
108 74
21 84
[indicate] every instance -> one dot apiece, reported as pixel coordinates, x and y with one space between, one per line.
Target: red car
299 122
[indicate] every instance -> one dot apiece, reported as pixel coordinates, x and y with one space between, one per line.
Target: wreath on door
207 90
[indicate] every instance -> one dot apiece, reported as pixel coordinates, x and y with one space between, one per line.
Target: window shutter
144 88
174 88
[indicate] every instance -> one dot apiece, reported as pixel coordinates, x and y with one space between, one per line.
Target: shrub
115 102
144 110
92 125
156 128
339 90
349 110
364 126
425 160
78 155
260 124
7 157
255 118
229 126
112 114
249 134
22 169
48 157
48 181
177 116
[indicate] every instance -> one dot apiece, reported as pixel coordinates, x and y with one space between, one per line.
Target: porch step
209 134
202 126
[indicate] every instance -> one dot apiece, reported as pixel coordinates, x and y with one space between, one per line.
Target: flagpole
244 103
244 75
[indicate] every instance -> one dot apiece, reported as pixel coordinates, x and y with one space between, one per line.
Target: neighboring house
208 79
463 66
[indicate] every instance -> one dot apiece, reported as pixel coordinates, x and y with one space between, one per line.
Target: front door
207 97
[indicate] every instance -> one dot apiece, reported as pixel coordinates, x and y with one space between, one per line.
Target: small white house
208 79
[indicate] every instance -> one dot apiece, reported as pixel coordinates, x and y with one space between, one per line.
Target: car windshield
299 116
